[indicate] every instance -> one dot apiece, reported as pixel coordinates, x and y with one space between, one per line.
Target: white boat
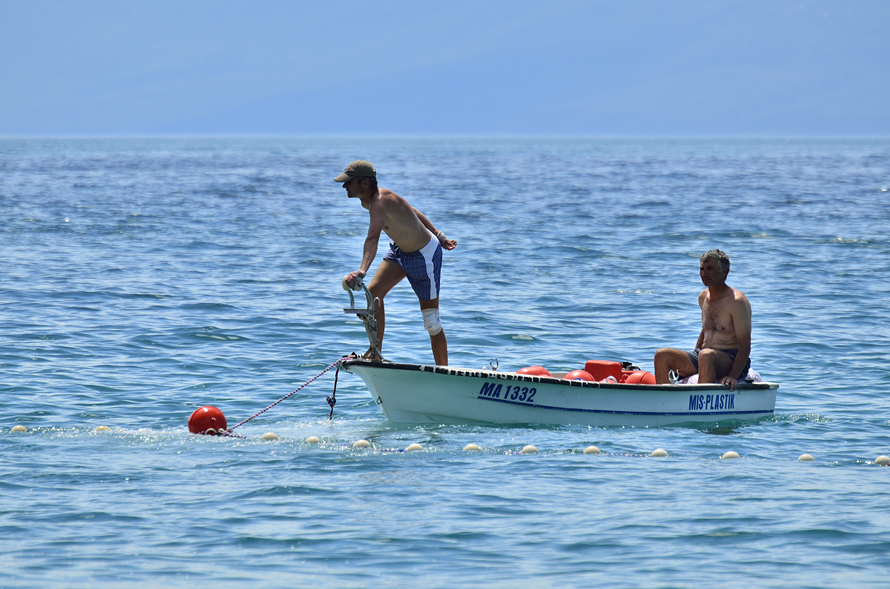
435 394
432 394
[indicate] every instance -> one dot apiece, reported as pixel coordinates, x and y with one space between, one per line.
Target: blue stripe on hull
573 410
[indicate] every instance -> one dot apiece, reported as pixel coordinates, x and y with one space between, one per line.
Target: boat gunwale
493 374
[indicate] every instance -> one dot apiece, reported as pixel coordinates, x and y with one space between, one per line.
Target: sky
678 68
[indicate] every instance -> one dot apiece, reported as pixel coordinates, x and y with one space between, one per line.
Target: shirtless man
415 251
722 352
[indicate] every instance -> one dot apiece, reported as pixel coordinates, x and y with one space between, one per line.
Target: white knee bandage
431 321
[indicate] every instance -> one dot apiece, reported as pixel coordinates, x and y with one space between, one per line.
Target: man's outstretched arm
448 244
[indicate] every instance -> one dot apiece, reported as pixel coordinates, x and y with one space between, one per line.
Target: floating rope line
302 386
490 451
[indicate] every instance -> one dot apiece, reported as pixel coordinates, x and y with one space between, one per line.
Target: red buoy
207 420
534 371
640 377
579 375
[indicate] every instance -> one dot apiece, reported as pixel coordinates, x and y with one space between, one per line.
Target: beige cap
358 168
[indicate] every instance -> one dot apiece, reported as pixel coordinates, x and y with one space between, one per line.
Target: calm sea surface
143 278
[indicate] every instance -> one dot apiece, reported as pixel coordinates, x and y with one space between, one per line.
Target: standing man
415 251
722 352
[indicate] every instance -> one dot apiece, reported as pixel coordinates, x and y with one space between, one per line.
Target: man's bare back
392 214
400 220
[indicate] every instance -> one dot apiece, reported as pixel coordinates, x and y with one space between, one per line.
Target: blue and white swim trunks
423 267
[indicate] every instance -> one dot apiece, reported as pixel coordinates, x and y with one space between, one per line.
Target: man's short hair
721 258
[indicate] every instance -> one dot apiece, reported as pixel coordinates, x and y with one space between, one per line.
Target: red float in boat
534 371
580 375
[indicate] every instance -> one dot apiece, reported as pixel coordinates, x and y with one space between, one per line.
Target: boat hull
417 393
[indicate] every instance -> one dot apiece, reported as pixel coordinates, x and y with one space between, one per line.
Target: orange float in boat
639 377
579 375
534 371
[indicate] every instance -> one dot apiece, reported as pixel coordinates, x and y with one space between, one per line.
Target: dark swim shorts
693 356
423 267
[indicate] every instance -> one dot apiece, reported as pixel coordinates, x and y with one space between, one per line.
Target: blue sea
145 277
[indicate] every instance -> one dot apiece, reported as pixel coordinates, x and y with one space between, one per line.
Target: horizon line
428 136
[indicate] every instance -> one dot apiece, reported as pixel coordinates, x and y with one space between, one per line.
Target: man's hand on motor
353 280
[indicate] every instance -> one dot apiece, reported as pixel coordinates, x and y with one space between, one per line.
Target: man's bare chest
717 317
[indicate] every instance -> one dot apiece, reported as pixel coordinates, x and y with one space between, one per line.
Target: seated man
722 352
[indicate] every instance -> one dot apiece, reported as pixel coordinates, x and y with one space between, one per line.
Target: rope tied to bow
331 399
